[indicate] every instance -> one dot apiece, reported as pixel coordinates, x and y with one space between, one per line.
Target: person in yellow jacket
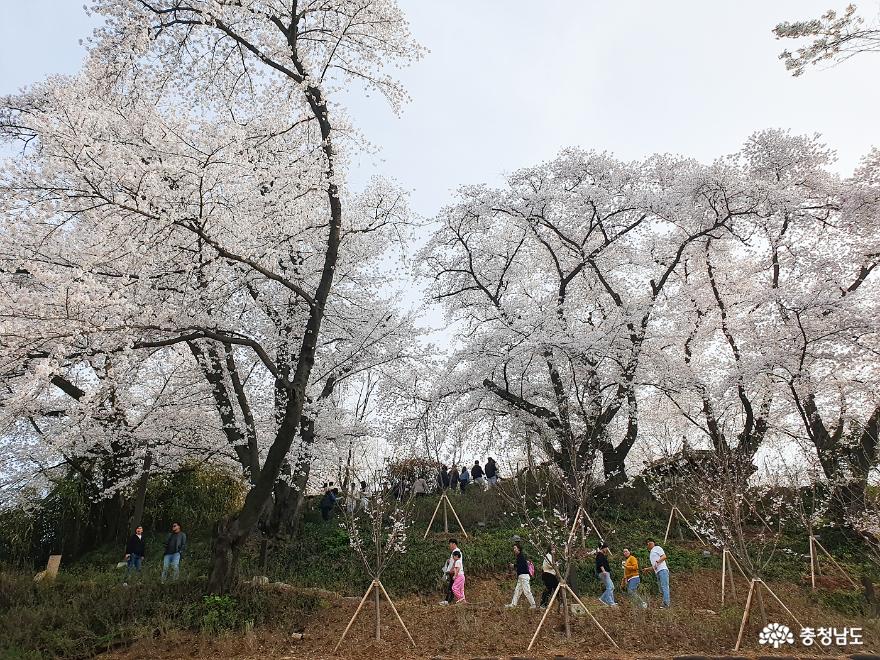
631 579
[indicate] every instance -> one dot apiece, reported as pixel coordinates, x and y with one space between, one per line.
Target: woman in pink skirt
458 577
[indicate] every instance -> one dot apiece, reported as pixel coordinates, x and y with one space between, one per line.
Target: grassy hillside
88 610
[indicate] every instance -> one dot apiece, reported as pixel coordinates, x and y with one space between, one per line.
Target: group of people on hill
136 552
453 570
355 499
455 479
459 477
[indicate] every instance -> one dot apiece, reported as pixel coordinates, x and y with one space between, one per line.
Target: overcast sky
507 83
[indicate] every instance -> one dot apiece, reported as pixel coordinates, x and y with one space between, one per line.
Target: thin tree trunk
141 493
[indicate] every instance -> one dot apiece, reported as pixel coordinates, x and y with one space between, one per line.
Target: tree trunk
227 545
378 615
140 496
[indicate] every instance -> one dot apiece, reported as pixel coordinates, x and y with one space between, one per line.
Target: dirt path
485 629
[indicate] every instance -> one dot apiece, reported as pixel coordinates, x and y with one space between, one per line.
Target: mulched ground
485 629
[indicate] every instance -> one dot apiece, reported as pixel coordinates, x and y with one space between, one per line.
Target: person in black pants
548 576
135 551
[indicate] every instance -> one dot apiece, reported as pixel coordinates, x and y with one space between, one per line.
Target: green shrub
851 603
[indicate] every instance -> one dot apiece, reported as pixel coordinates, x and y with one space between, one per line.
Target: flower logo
775 635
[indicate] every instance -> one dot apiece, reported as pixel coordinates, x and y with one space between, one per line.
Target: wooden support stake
742 626
723 574
354 616
436 509
688 522
834 561
444 500
577 517
732 581
463 531
812 564
590 614
669 525
595 526
739 568
770 591
378 616
546 612
394 609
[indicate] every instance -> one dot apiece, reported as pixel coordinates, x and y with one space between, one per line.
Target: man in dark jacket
443 477
328 502
477 473
491 471
135 551
175 546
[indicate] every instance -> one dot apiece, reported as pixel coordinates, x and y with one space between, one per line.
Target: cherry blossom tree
778 316
836 37
554 281
198 164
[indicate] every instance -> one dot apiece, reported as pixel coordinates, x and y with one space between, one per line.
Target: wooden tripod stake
444 500
814 562
672 513
727 563
568 591
579 520
754 585
375 587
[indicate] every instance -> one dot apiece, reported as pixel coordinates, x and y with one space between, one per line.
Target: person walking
548 576
631 579
603 572
175 546
453 478
477 474
464 478
657 559
523 578
491 471
420 487
135 552
457 576
449 572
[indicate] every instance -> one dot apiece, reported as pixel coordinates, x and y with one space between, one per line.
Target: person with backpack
548 576
603 572
464 478
524 572
175 545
